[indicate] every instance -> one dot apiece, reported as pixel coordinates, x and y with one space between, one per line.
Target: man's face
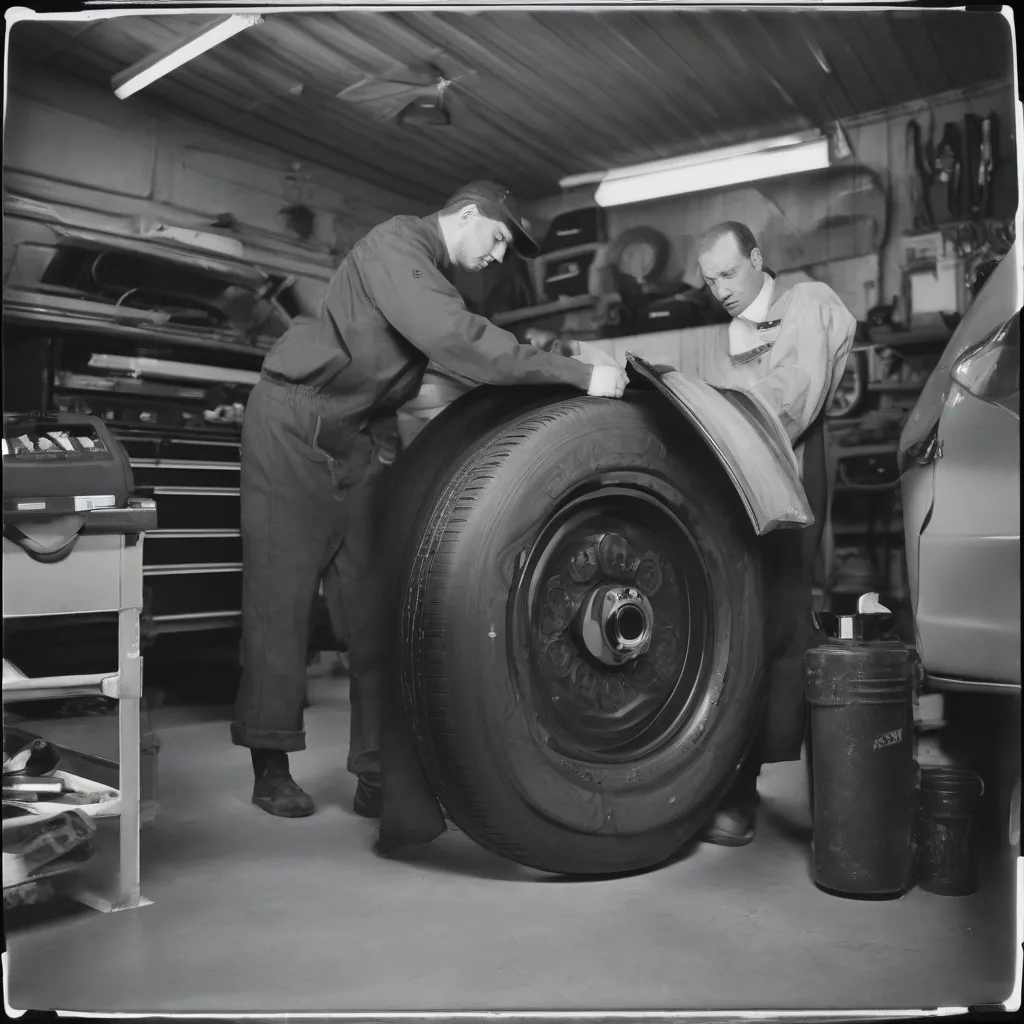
735 279
481 241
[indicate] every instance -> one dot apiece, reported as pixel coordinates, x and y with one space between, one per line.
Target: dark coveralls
318 428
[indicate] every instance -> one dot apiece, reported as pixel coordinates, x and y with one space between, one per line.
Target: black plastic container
947 859
585 226
860 688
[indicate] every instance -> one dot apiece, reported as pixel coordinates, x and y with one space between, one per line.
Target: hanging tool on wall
949 169
920 178
981 134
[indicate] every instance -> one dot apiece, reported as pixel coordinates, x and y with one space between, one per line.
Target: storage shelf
896 387
931 334
515 316
556 255
861 530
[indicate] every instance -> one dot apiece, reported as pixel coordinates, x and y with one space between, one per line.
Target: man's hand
607 382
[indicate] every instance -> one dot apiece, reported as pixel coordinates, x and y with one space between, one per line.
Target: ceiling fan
410 94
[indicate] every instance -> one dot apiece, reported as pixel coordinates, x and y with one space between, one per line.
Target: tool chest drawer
191 508
191 590
199 475
88 579
189 547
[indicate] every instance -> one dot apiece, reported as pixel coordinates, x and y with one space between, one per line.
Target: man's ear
469 212
755 258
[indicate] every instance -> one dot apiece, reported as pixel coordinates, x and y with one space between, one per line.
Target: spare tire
580 626
640 253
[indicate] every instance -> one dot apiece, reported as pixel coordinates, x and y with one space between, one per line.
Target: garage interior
191 221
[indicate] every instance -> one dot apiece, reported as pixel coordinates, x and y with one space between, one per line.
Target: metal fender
747 439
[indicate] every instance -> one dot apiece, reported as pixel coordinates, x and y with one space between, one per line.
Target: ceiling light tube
149 69
717 171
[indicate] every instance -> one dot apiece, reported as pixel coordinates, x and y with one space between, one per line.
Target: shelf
103 573
930 334
514 316
897 387
853 451
567 254
862 531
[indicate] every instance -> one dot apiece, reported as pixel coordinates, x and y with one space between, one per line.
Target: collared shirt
758 309
803 359
744 337
390 308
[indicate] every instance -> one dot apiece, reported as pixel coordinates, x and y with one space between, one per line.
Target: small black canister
860 688
947 854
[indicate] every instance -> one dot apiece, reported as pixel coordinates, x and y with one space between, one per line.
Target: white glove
607 382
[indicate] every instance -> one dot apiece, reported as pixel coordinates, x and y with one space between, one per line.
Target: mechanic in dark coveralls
319 428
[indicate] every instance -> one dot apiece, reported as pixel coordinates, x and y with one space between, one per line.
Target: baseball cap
494 200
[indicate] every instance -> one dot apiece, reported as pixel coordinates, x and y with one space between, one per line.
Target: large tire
590 778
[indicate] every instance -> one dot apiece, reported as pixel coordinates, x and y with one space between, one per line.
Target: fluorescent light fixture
732 165
149 69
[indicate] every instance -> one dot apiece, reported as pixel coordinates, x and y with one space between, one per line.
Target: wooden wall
878 143
100 162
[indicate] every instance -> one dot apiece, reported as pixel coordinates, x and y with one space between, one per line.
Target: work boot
275 791
735 821
368 800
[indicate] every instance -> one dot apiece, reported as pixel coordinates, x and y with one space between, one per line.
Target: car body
960 461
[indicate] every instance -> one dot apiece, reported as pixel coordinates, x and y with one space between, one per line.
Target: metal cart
103 574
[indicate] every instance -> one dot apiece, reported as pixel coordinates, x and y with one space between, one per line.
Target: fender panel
747 439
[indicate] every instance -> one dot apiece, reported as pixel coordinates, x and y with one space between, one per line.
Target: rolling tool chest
72 548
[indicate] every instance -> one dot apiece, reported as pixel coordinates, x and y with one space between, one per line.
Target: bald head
731 265
740 233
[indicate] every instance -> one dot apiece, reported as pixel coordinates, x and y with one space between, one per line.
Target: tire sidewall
687 773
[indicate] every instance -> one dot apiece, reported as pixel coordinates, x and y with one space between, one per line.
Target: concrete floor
257 914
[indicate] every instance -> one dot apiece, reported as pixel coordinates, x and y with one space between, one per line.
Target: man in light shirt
790 346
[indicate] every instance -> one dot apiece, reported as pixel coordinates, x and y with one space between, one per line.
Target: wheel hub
616 606
615 624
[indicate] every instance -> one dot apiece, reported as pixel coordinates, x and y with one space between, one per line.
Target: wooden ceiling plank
504 143
833 93
862 38
651 109
199 83
783 52
762 66
711 33
939 77
526 102
851 67
323 95
904 30
373 134
346 122
690 72
509 135
190 101
556 66
881 38
694 130
465 47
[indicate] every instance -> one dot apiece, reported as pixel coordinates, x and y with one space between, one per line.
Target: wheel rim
613 614
849 392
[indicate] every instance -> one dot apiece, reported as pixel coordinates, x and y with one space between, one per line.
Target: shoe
275 791
280 795
735 821
368 799
732 826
